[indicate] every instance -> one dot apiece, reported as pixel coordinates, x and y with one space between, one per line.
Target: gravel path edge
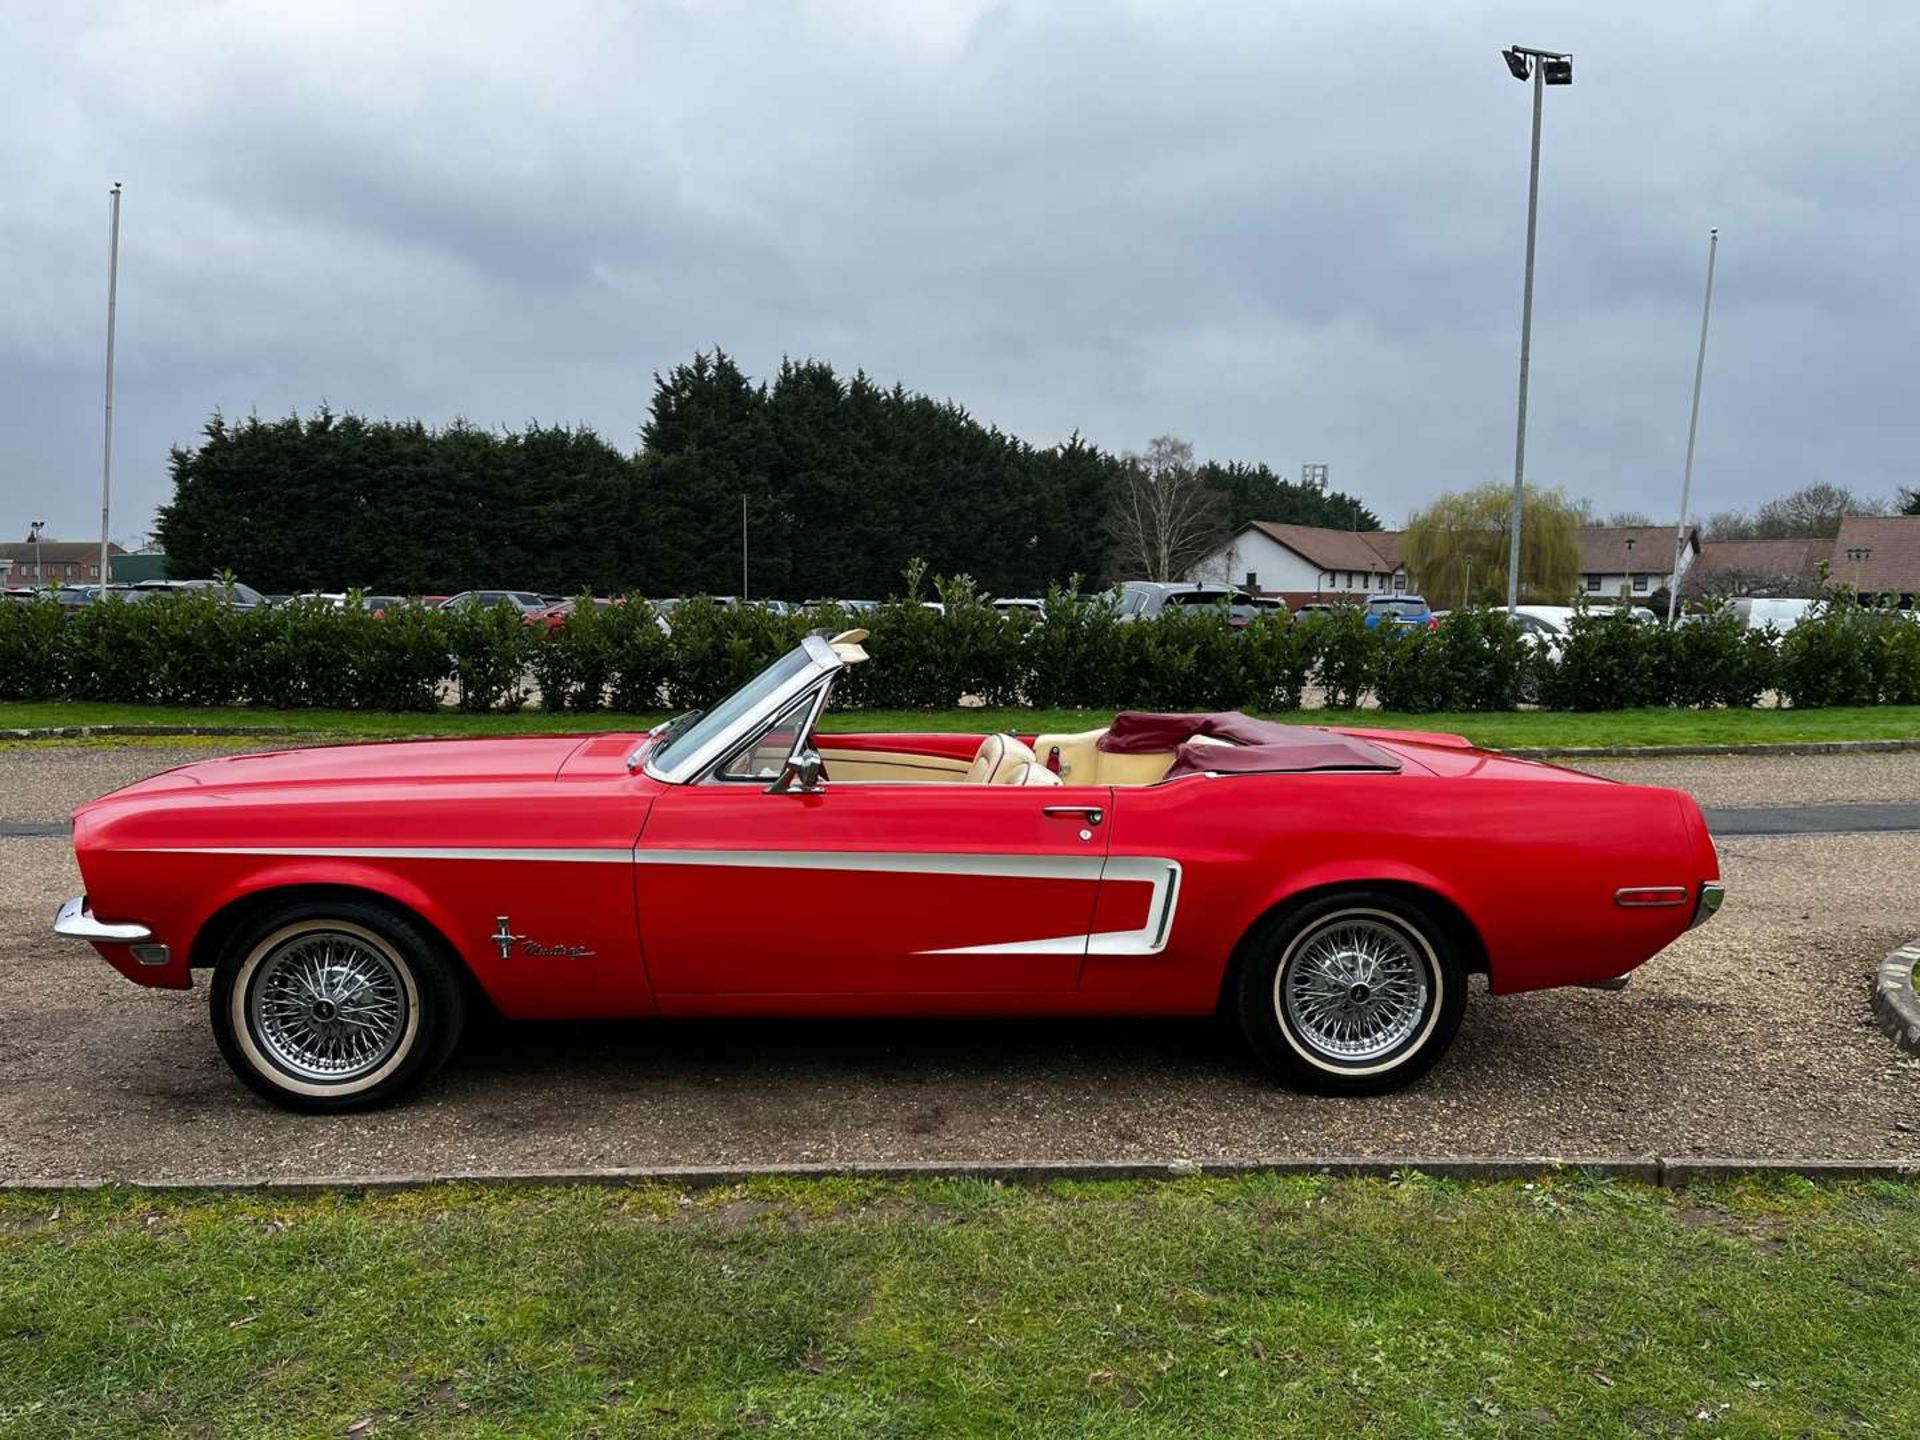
1895 1001
1648 1169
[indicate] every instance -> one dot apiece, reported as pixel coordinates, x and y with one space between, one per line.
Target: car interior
1062 759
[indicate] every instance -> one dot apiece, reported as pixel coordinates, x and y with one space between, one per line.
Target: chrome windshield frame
689 767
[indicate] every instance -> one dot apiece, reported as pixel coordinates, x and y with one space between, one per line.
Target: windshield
1398 607
722 717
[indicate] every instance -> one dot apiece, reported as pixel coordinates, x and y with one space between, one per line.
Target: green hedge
195 649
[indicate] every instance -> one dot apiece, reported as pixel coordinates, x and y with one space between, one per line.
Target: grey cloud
1288 232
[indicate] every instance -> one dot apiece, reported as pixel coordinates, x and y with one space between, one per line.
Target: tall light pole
33 534
1626 596
106 454
1543 67
1693 426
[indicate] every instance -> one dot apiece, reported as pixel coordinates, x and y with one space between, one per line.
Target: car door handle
1093 813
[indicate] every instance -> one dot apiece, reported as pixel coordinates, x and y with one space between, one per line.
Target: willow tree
1456 548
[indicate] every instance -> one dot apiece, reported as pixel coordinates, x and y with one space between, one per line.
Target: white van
1782 615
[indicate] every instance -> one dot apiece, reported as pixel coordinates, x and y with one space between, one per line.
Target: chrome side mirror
803 774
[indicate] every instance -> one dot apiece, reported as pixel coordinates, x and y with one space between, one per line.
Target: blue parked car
1402 612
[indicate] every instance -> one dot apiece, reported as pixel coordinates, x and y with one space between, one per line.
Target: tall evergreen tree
843 482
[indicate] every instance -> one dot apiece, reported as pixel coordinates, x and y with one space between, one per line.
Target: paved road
1812 819
1750 1036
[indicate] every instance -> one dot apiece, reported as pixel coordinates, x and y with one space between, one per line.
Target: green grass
1504 730
1257 1306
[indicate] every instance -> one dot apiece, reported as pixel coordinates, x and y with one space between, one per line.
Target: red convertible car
1329 889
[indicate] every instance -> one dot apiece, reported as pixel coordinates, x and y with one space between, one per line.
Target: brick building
68 562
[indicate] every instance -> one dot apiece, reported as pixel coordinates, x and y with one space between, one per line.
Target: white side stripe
1026 867
1149 939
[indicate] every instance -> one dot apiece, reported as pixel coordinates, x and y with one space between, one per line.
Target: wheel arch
238 910
1453 921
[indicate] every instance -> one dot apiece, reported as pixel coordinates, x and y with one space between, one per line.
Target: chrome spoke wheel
328 1006
1355 988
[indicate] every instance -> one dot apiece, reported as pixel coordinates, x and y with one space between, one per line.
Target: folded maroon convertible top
1255 745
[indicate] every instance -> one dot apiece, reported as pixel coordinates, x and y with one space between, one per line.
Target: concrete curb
1648 1169
1895 1002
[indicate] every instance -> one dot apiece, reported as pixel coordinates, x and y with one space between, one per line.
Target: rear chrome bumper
1712 895
76 921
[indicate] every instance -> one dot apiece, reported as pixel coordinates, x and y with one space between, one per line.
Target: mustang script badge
533 949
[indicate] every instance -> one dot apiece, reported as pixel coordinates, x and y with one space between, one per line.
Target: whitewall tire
334 1005
1353 993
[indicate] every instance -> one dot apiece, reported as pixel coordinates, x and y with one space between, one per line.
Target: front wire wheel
1352 994
334 1006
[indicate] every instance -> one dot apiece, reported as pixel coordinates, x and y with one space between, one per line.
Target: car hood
506 760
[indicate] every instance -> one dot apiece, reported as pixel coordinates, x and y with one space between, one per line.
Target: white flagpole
106 454
1693 428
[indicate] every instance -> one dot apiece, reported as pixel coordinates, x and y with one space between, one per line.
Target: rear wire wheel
1352 994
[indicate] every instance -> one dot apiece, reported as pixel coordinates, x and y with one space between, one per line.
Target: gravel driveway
1750 1037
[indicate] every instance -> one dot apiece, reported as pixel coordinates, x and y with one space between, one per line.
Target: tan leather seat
1032 773
1079 759
996 760
1083 762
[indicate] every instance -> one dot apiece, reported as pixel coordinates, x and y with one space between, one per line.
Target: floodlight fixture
1517 63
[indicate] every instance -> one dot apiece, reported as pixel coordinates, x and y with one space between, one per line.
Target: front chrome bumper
1712 895
76 921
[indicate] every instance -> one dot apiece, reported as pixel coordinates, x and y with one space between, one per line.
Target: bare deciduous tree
1811 512
1165 517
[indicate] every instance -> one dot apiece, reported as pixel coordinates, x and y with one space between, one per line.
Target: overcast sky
1286 233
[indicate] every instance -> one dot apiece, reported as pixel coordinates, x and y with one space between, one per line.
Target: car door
869 888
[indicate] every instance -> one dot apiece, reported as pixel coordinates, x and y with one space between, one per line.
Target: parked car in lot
1545 628
1757 613
852 607
1150 599
1330 889
555 616
525 601
241 597
1400 612
70 596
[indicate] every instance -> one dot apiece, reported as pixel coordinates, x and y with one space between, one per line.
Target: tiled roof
1763 557
1890 558
1604 549
1365 550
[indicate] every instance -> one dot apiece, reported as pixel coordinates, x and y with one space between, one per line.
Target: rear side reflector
1650 897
